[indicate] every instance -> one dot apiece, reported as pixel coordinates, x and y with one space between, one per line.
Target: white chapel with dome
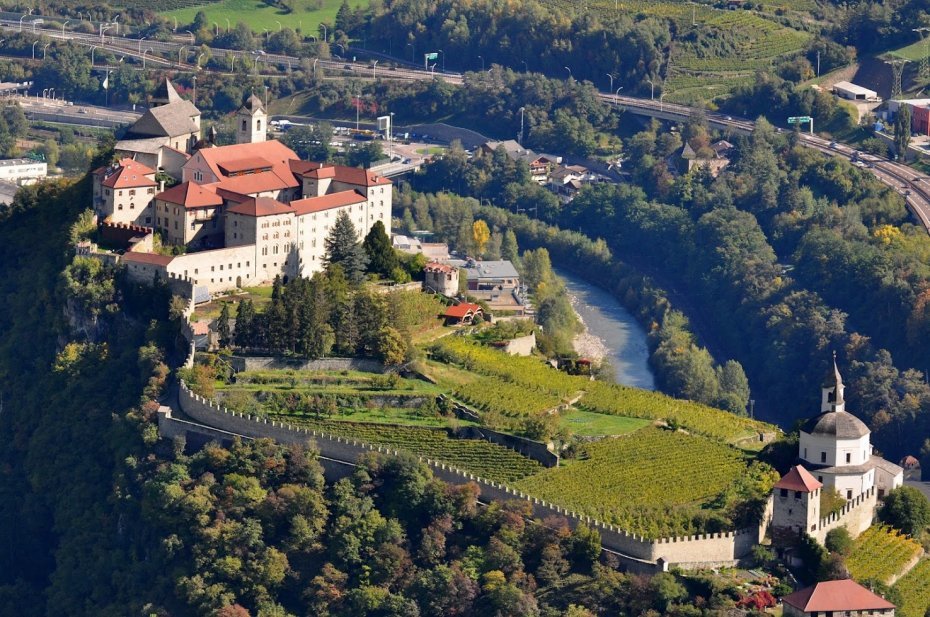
835 447
835 454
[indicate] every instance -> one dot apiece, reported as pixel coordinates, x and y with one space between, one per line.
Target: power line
897 70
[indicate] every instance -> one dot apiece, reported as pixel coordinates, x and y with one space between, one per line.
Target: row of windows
212 268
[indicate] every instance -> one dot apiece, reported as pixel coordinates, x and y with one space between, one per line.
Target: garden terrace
914 588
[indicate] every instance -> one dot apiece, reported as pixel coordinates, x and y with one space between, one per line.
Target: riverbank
610 332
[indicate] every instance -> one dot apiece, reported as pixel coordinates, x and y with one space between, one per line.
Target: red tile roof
191 195
435 266
200 328
798 479
260 206
459 311
844 595
148 258
276 153
128 174
309 205
303 167
260 182
248 163
320 172
340 173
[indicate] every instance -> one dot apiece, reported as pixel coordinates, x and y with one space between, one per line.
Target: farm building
852 92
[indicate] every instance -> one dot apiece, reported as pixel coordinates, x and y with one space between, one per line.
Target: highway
903 179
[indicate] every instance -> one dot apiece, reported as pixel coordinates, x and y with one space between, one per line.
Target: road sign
384 123
432 56
799 119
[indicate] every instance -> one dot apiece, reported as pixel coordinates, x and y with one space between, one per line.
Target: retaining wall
257 363
634 551
527 447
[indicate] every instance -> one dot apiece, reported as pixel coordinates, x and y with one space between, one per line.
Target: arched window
245 125
258 125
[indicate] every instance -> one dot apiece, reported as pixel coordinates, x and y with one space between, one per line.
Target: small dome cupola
832 390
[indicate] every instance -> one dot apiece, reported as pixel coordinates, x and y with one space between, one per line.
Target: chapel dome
839 424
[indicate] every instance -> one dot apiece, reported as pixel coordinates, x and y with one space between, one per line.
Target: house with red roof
835 598
463 313
123 192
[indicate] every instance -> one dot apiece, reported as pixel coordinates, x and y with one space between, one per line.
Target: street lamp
652 91
36 22
227 24
51 93
92 49
116 22
569 71
34 50
279 25
526 66
391 136
611 82
199 56
314 67
325 35
140 44
443 60
520 141
175 24
44 50
374 68
67 21
103 29
180 49
192 36
22 17
617 95
482 63
143 56
216 29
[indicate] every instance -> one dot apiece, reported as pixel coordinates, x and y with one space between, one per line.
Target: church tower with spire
251 122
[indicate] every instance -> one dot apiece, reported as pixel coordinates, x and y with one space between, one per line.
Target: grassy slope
259 15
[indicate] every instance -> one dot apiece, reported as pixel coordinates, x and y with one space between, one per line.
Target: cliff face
62 427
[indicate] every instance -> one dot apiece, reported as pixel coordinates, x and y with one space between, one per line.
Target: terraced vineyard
528 377
880 553
506 398
914 588
482 458
651 482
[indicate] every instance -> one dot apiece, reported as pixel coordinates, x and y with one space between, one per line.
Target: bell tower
251 122
831 398
796 505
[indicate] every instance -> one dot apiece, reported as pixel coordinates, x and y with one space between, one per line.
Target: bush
839 541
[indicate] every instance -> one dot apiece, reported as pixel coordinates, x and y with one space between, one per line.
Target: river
611 332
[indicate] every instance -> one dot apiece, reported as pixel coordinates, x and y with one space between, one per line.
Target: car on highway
833 145
729 118
917 179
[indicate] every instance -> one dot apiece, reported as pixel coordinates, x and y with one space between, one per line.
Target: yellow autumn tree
480 234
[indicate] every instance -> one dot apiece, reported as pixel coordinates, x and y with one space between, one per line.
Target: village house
463 313
540 164
843 597
714 159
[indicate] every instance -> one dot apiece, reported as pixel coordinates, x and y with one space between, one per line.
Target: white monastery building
245 212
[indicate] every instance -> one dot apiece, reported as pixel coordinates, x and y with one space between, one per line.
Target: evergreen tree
343 248
509 248
381 256
245 318
222 326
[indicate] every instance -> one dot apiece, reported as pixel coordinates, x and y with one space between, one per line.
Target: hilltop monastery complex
245 213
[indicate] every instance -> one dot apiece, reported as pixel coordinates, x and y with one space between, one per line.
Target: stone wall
258 363
857 516
636 552
535 450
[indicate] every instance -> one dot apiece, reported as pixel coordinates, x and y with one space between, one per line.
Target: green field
588 424
651 482
305 17
880 553
914 588
913 52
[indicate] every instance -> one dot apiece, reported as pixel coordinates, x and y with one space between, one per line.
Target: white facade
22 171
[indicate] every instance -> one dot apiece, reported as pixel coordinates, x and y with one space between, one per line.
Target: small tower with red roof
796 505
